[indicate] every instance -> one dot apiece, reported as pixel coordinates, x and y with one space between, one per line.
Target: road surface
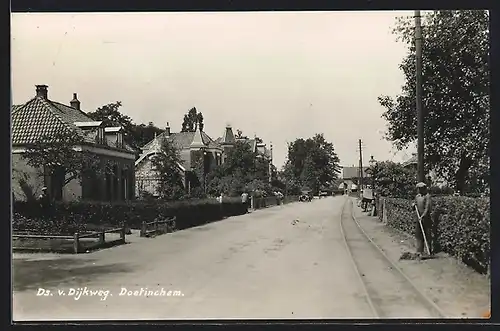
283 262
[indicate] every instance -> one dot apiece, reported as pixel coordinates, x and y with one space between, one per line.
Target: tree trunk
462 172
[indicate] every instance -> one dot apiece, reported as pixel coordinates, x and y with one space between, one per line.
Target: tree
393 180
243 169
60 155
165 164
312 162
455 95
142 134
239 135
192 121
111 115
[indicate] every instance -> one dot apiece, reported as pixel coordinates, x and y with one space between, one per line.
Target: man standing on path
244 200
423 203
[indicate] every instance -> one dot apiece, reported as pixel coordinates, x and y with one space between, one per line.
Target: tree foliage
111 115
239 135
455 68
165 163
192 121
242 170
393 180
311 163
142 134
61 154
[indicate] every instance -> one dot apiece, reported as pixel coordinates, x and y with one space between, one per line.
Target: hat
44 188
420 185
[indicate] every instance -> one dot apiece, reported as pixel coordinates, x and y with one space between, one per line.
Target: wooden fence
101 235
158 227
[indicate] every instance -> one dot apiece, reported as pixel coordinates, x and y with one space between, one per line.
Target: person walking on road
423 204
220 198
244 200
44 203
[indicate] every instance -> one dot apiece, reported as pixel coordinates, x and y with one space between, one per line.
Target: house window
124 184
116 193
119 140
100 136
108 184
131 185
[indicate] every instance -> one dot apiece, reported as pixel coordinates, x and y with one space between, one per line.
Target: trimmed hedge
461 226
68 217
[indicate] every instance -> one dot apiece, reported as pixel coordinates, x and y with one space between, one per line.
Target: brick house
41 116
191 145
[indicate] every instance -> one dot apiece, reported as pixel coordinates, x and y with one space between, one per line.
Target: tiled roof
183 140
39 117
352 172
251 142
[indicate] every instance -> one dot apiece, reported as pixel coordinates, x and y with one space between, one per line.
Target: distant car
323 194
306 196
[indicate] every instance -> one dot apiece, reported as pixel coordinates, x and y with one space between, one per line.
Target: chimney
75 103
167 130
41 91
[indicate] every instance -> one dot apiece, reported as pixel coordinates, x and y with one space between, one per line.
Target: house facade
193 146
41 116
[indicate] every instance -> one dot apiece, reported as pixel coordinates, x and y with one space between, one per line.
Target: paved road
260 265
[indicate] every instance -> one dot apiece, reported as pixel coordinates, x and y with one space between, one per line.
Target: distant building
189 145
432 178
352 175
228 140
41 116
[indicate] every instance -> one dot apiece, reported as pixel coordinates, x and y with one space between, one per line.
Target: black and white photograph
260 165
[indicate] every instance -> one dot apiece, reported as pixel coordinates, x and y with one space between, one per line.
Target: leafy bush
461 226
436 190
41 226
69 216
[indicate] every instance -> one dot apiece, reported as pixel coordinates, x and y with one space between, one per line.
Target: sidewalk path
455 288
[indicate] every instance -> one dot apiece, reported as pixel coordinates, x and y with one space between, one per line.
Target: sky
277 75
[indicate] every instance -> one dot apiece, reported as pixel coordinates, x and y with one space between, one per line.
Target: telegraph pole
360 166
420 113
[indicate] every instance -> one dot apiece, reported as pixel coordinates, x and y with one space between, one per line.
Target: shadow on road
30 274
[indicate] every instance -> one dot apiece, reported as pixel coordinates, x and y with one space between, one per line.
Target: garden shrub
72 216
461 226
